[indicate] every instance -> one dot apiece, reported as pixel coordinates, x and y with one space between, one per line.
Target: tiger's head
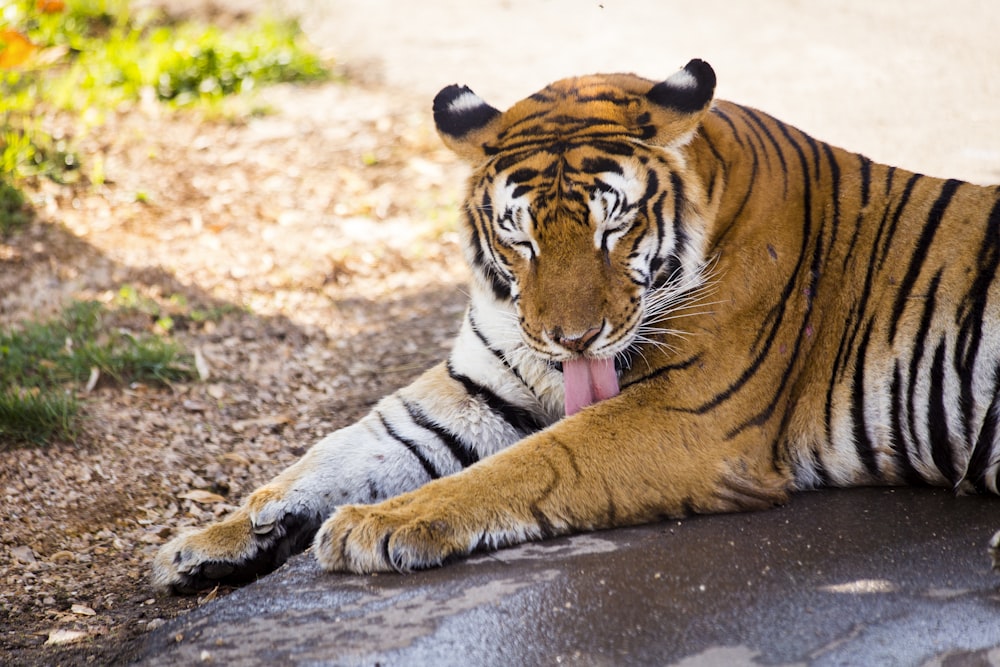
580 209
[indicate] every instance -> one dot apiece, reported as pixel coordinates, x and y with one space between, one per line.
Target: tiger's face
579 208
573 237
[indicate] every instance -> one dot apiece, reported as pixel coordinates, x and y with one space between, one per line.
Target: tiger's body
728 309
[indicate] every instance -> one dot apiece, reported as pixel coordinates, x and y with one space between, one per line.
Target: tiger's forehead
574 109
567 181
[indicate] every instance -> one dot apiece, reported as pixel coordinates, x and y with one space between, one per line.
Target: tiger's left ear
678 104
464 121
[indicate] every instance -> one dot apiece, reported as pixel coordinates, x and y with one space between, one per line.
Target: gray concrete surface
855 577
836 578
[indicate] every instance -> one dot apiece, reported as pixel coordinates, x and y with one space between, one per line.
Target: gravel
320 238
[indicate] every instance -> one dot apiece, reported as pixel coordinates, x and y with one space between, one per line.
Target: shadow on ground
87 516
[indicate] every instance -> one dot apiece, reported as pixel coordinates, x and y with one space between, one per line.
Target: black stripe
890 234
545 528
902 452
937 419
661 230
839 365
523 420
974 305
921 252
815 153
663 370
498 354
834 200
794 281
600 165
865 169
984 453
723 167
917 350
481 248
862 443
819 467
613 143
732 126
755 139
414 448
681 237
756 117
751 180
516 126
464 455
867 289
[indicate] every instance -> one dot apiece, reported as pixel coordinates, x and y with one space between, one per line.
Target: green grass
43 366
34 417
85 60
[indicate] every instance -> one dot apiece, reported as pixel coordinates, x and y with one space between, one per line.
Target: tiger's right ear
465 122
679 103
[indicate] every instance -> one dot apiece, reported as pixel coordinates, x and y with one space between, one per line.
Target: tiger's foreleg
432 428
280 518
597 469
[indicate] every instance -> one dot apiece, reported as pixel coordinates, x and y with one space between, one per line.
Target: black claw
387 555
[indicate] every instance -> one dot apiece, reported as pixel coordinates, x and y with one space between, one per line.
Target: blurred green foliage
91 56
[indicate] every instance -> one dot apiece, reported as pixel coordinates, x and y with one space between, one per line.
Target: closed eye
612 214
510 232
608 199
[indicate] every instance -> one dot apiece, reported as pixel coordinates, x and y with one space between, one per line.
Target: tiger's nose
573 342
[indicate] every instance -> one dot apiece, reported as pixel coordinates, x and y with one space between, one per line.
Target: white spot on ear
682 79
466 102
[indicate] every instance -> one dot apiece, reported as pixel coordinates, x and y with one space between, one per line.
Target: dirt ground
322 236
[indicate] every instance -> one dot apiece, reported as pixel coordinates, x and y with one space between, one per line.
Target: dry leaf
270 420
194 406
201 365
61 636
200 496
82 610
212 594
236 457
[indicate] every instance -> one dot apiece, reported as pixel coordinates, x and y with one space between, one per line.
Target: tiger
678 306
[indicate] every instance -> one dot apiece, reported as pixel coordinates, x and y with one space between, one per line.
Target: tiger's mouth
587 381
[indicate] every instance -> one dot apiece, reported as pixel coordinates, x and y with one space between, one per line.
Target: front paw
397 535
234 551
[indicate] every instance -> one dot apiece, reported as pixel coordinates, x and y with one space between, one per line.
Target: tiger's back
868 339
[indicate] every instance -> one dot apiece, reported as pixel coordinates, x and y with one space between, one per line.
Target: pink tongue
588 381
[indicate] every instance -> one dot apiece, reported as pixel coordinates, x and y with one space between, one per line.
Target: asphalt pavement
839 577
